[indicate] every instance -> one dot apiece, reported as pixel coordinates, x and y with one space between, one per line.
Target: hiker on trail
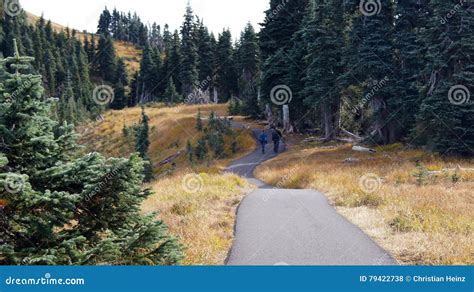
276 137
263 139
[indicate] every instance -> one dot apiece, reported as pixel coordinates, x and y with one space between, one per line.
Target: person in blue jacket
263 139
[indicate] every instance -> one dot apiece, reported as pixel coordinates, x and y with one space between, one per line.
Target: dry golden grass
170 129
203 219
131 55
420 222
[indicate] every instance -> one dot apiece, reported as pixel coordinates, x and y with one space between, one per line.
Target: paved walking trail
295 227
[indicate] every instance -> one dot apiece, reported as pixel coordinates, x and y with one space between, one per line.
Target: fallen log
351 160
313 139
449 170
345 140
170 159
363 149
352 135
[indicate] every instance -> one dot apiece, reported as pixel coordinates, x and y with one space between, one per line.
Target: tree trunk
328 123
286 119
216 98
268 113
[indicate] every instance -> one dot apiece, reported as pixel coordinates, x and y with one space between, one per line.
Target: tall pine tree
189 64
446 116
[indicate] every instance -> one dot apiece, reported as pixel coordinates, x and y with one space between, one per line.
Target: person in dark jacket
263 139
276 138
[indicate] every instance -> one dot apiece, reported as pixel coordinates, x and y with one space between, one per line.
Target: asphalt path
294 227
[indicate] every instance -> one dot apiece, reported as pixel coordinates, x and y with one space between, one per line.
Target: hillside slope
170 129
196 200
129 52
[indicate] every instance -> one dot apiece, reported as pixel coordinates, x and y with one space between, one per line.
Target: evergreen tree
148 75
50 74
160 86
105 19
189 63
295 78
248 59
155 38
446 116
377 59
121 81
410 57
44 188
173 62
282 21
121 73
38 44
91 55
106 59
142 143
114 25
120 97
205 56
199 124
226 71
171 94
68 111
201 149
216 143
134 94
190 151
369 59
167 38
324 42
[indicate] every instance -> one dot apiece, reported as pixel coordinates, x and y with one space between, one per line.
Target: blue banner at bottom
281 278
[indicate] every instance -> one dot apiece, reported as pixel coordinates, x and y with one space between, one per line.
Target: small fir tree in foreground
60 209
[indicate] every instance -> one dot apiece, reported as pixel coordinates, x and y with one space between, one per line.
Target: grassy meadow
416 205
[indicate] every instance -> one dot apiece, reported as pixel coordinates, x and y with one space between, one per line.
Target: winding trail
294 227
